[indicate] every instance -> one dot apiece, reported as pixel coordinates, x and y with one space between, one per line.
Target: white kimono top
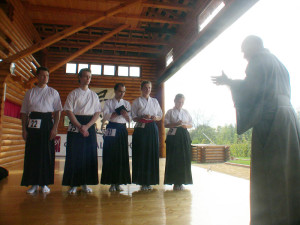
141 106
83 102
174 115
111 105
41 100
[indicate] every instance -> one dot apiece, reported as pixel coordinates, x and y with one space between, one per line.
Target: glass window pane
135 71
123 71
71 68
82 66
96 69
109 70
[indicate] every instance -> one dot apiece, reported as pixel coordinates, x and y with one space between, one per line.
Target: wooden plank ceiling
152 24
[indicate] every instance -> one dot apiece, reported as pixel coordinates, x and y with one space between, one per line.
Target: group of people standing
81 165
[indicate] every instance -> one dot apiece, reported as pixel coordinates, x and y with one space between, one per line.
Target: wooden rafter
150 19
69 31
83 50
139 41
52 9
117 48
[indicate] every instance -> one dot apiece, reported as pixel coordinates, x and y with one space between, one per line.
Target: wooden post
162 134
69 31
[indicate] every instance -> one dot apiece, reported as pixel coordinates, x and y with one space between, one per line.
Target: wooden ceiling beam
117 48
160 5
53 9
150 19
69 31
139 41
82 50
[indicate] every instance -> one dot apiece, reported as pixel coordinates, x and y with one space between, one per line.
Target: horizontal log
9 119
11 153
12 126
13 163
11 159
13 98
11 137
12 148
12 142
11 131
17 95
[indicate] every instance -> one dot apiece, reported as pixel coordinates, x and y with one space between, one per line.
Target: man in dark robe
262 102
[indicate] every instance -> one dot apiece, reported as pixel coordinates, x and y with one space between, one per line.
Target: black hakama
178 160
39 151
81 166
115 168
145 155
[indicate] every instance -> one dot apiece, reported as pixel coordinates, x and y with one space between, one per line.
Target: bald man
262 102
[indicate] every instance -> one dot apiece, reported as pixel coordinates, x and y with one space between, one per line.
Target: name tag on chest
110 132
172 131
139 125
72 128
35 123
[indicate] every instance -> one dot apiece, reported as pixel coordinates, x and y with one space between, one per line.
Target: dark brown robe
262 102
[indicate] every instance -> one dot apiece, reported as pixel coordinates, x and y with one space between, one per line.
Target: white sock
86 189
45 189
72 190
33 189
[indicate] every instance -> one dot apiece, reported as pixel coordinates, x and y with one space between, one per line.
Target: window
209 13
135 71
169 58
82 66
96 69
71 68
109 70
123 71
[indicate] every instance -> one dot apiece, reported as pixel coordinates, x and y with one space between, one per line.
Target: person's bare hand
53 133
114 115
24 134
84 130
125 114
220 80
146 117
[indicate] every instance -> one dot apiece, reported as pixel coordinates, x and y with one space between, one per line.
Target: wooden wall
12 143
16 34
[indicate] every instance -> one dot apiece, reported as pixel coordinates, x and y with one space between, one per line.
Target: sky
277 22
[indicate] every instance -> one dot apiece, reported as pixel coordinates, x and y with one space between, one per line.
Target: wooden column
162 134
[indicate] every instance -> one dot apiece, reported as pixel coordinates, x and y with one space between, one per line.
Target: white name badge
35 123
72 128
110 132
139 125
172 131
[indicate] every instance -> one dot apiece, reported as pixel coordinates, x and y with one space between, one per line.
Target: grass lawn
242 160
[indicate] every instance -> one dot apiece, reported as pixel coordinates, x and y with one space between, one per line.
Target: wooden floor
213 199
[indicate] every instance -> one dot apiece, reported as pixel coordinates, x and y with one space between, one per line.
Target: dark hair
81 72
145 82
39 69
179 96
117 85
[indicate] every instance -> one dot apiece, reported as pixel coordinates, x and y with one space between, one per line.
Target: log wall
210 153
16 34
